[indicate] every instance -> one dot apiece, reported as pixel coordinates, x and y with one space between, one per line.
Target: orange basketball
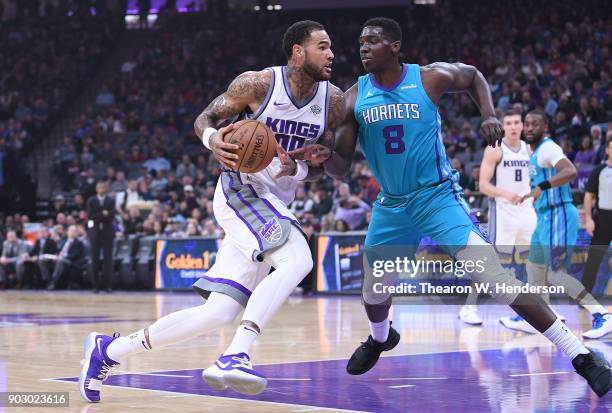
257 145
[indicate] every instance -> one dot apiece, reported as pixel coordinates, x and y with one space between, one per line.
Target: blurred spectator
474 184
105 97
125 199
71 262
190 198
11 263
210 229
78 203
352 211
132 225
119 184
192 229
463 178
186 167
586 154
59 204
157 162
341 226
40 258
301 203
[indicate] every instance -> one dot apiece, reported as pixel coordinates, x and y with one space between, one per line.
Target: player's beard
313 70
534 140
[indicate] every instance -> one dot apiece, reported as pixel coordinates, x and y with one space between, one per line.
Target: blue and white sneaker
96 366
602 325
236 372
517 323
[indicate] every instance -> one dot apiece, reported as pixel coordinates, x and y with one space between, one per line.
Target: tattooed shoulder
250 84
336 107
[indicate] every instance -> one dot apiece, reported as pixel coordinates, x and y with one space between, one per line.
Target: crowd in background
137 134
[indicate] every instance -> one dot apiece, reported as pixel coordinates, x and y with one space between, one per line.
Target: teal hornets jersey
400 134
541 168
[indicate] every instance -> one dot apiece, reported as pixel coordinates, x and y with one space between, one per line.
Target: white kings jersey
293 125
512 171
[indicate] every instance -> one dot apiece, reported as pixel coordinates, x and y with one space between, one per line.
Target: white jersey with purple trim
511 225
294 126
252 208
512 171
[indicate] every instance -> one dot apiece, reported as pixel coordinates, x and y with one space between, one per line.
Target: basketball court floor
439 366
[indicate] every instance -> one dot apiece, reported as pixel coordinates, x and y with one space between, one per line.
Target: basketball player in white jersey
300 105
504 177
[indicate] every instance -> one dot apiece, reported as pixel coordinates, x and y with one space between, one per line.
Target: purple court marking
445 382
38 319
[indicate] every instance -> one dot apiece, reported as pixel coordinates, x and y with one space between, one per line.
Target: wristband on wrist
544 185
301 170
206 136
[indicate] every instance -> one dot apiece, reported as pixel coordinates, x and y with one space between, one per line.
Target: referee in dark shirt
599 189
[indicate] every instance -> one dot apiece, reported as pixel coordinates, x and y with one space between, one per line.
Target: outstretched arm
335 153
440 78
566 172
247 90
329 153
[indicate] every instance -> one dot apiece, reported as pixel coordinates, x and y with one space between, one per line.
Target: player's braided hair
297 33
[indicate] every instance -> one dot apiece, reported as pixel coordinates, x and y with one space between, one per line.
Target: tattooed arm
318 155
248 90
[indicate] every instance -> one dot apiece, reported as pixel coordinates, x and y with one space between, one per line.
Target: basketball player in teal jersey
393 110
554 238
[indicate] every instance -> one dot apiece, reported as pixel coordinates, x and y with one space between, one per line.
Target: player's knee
306 263
222 307
227 317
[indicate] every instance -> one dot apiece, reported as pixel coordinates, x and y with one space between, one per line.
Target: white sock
173 328
593 308
133 344
565 340
380 331
242 341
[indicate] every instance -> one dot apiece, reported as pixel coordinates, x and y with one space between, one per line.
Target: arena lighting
278 7
270 7
425 2
256 8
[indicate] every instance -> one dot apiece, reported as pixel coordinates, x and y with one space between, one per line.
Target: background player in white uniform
554 238
301 107
504 177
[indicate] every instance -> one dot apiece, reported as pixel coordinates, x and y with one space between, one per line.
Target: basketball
257 145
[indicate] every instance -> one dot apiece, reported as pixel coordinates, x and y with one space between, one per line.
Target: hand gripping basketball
224 152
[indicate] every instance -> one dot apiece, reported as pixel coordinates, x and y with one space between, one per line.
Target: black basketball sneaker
367 354
595 370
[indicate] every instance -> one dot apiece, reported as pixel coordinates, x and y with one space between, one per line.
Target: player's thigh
565 227
443 214
539 244
233 273
525 228
390 235
255 222
390 227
